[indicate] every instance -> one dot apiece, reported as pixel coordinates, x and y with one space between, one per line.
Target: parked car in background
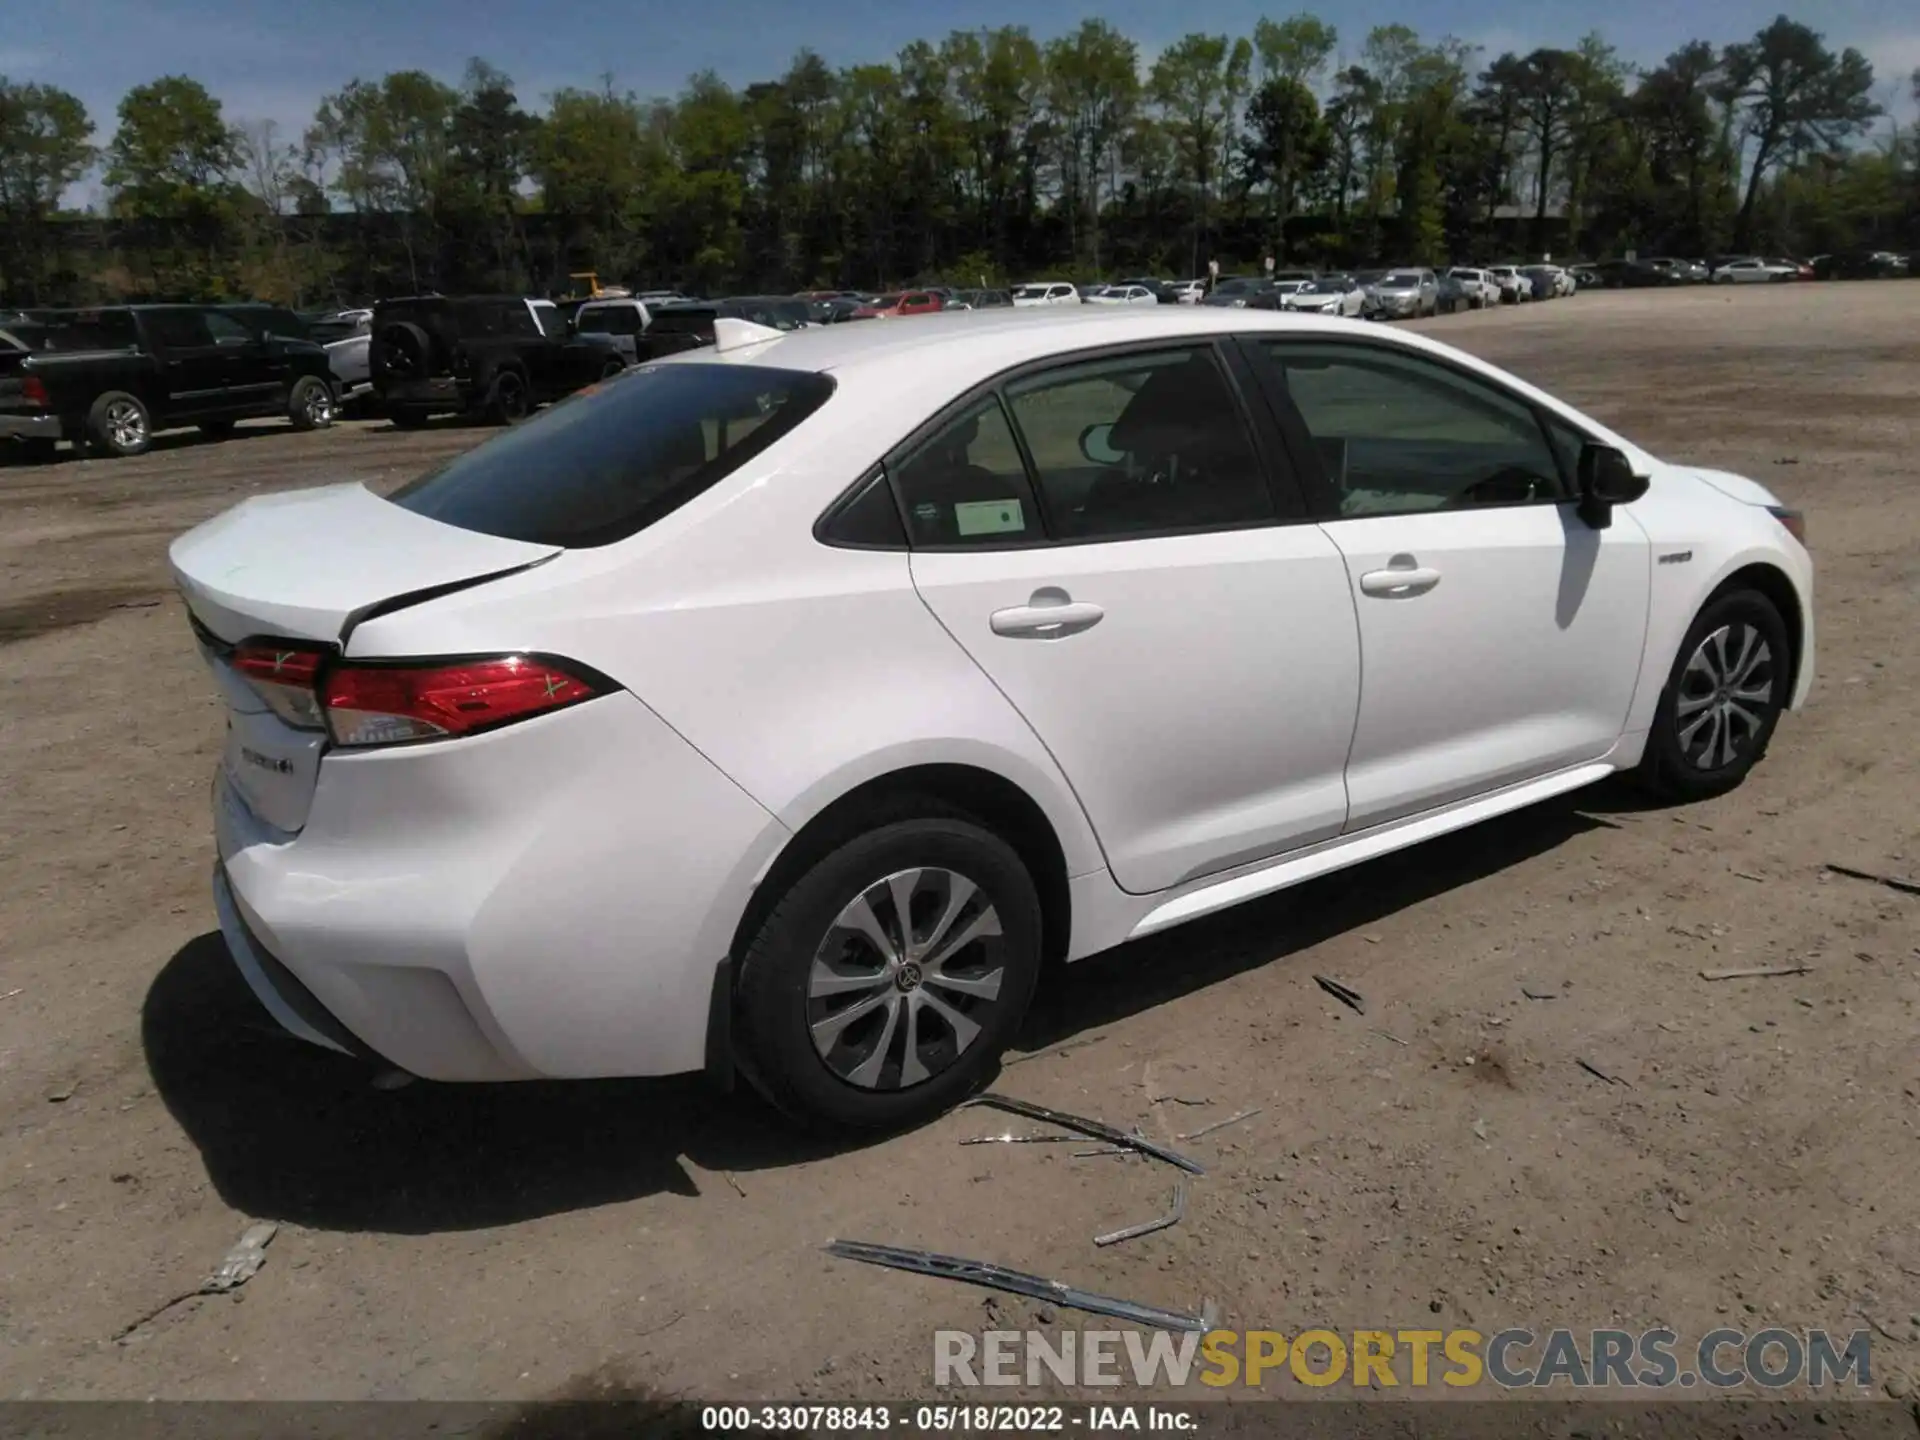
623 322
1051 292
1586 277
1861 265
496 356
1515 288
1404 294
1676 272
1162 292
1275 296
1635 275
349 357
689 325
1189 292
1121 295
1238 291
1329 295
906 302
984 299
1802 269
511 790
1477 288
1754 271
834 309
109 379
346 336
1546 281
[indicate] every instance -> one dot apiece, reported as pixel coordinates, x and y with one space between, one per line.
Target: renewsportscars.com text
1512 1359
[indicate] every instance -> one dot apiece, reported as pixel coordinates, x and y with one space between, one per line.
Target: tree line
985 156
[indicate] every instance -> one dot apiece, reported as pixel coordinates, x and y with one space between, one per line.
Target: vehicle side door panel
1200 692
1501 634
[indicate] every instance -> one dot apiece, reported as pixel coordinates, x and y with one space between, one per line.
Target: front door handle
1049 614
1399 581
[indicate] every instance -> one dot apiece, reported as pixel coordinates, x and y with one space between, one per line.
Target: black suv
677 328
492 355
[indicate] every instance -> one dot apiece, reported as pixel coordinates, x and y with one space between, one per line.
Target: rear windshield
615 458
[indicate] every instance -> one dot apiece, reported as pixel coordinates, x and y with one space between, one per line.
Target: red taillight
284 676
33 390
388 704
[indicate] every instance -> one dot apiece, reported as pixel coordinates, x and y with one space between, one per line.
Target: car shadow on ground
291 1132
1122 982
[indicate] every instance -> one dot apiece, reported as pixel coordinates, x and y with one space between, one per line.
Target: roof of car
987 341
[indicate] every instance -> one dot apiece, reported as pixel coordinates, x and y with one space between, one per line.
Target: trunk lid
305 566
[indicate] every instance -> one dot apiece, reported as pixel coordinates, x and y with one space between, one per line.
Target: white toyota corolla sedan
788 705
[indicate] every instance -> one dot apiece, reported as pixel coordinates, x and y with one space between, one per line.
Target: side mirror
1606 479
1094 444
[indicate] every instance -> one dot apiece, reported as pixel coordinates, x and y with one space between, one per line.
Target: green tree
174 153
172 167
1794 97
1198 83
388 144
1286 142
597 159
1092 89
45 148
489 150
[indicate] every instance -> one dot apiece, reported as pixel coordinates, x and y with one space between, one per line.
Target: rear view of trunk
274 588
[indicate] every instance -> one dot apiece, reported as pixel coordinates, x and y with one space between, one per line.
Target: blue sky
269 60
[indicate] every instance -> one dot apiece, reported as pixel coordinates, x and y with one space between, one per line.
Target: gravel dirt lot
1754 1163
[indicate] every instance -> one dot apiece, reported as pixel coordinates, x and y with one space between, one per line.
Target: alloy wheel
901 984
1726 691
126 425
319 406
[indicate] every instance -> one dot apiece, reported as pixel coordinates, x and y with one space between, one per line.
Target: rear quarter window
614 459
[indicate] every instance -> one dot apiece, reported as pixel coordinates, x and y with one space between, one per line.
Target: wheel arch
1778 587
998 803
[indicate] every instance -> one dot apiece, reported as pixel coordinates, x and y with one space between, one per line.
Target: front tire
507 398
1722 699
310 404
848 1018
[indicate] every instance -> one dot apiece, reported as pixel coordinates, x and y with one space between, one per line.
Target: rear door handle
1399 582
1048 615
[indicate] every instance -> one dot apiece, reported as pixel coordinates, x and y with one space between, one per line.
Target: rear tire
310 404
931 1023
1722 699
118 426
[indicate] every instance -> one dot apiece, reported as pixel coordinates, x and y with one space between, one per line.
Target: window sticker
988 517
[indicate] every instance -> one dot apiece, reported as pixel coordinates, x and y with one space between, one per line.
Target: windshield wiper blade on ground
1013 1282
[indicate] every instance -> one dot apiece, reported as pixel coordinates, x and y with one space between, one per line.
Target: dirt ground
1442 1160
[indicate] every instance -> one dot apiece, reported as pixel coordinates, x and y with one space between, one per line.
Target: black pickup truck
110 379
492 355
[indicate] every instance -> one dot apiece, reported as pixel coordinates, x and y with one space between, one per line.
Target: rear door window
178 329
609 462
